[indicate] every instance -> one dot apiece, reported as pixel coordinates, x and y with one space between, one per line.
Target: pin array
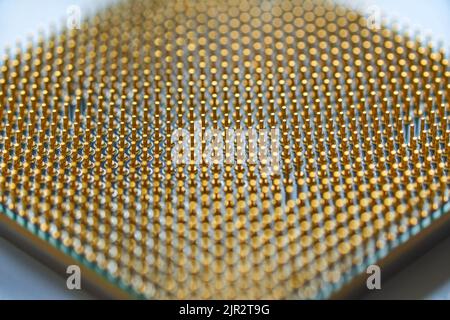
86 118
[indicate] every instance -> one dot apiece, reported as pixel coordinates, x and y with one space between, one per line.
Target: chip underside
355 161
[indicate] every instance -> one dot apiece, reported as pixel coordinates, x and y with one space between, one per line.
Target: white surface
22 277
21 18
426 278
428 17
